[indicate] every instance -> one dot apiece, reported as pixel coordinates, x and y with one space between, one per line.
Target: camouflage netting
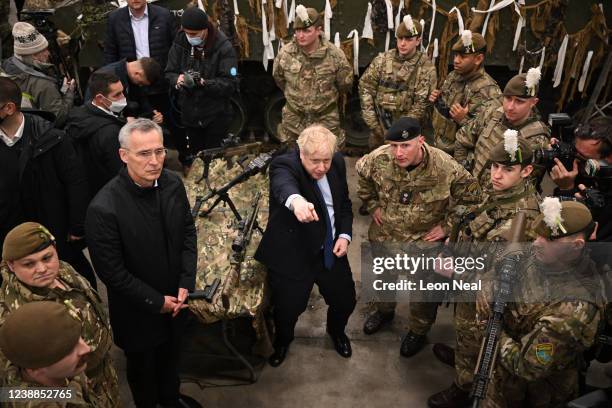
215 235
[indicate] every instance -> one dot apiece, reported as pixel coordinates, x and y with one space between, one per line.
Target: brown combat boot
444 353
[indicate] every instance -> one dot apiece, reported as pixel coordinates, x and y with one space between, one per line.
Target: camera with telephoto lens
563 130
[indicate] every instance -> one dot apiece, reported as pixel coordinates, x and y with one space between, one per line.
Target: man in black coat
142 241
208 58
94 130
41 179
307 237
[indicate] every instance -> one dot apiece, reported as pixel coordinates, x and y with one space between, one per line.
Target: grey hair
140 124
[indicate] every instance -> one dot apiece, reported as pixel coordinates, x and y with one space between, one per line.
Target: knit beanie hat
27 40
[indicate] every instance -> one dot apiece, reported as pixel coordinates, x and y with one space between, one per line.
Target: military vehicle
540 41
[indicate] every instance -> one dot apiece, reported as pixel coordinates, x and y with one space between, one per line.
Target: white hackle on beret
551 210
511 143
409 24
533 79
466 38
302 13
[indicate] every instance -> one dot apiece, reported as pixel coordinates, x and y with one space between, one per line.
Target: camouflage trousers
292 125
509 391
468 332
105 384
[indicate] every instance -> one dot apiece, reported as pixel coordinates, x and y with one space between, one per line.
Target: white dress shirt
7 140
140 26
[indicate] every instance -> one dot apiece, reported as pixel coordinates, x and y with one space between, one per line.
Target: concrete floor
313 375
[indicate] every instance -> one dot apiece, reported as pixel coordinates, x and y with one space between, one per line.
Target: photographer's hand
158 117
180 81
562 177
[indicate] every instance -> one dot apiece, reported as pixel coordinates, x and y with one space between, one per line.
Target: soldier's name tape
49 394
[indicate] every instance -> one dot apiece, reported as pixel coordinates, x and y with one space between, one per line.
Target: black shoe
363 210
444 353
277 358
185 401
376 320
342 345
412 343
452 397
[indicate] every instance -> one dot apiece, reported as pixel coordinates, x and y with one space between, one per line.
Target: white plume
466 38
302 13
511 142
407 20
551 209
533 79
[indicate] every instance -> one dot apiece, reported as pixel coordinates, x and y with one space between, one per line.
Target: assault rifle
227 152
239 247
507 272
384 117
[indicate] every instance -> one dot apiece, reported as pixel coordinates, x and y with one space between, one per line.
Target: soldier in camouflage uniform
312 73
482 227
414 193
554 317
465 92
44 349
23 282
475 141
398 81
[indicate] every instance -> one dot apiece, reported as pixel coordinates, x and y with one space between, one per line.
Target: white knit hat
27 40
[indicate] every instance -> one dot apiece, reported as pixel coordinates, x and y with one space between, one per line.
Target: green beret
476 45
501 153
403 31
524 85
403 129
562 218
301 21
39 334
26 239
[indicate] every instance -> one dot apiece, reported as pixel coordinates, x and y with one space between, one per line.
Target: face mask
117 106
194 41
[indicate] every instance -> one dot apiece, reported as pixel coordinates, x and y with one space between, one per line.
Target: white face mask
117 106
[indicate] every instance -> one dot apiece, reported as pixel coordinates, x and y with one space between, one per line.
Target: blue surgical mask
194 41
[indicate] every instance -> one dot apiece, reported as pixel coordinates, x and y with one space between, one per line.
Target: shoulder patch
544 353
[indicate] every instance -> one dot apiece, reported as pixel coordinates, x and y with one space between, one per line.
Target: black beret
194 19
405 128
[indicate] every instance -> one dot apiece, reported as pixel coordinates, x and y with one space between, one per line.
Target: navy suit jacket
289 247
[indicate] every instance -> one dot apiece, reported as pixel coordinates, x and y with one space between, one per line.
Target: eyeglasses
147 154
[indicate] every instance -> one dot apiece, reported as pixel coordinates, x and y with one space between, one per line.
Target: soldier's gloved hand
304 211
433 97
562 177
458 112
377 216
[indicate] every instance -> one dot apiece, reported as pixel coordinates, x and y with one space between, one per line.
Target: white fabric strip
521 65
278 4
291 16
433 21
560 61
268 52
399 14
201 6
519 26
389 14
498 6
542 58
422 32
387 40
354 34
459 18
367 24
585 71
486 22
327 20
236 11
435 50
337 40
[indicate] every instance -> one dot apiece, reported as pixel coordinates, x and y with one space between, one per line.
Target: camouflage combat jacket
553 319
477 90
413 201
312 84
82 394
398 85
475 141
83 303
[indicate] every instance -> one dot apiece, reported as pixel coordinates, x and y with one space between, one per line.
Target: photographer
591 141
202 67
31 68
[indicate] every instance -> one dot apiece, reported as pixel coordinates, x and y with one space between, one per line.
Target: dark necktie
328 245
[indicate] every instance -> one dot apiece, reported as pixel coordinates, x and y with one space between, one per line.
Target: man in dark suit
307 237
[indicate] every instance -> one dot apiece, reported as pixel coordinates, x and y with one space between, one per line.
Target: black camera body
191 79
565 152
